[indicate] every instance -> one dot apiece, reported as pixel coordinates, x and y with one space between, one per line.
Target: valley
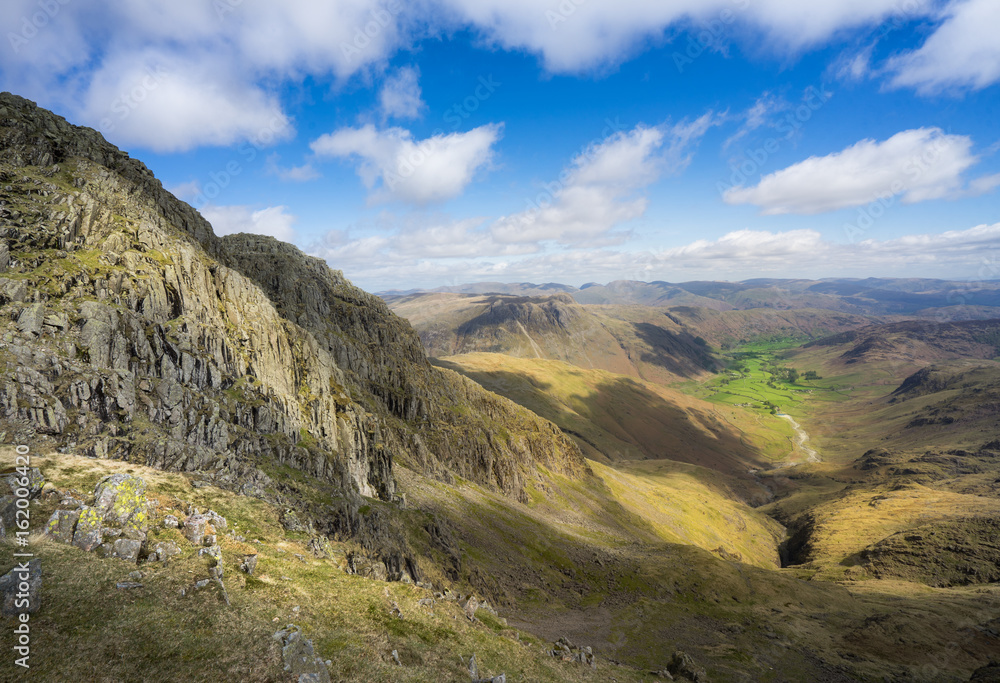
241 462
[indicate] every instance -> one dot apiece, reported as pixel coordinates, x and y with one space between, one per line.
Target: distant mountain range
951 299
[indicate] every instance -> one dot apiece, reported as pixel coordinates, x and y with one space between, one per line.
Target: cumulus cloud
222 61
962 53
169 103
805 251
377 263
575 35
296 174
394 166
918 165
598 190
273 220
400 95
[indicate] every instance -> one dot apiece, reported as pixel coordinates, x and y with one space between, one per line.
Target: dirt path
801 439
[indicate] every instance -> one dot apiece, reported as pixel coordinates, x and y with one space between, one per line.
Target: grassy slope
155 634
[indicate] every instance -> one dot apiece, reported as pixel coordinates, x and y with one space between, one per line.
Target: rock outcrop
131 331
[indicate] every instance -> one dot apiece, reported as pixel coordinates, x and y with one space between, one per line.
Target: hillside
245 468
635 341
912 297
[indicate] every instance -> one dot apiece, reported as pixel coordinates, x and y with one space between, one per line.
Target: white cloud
222 59
805 252
376 264
918 165
394 166
758 115
169 104
296 174
400 95
963 52
576 35
597 192
273 221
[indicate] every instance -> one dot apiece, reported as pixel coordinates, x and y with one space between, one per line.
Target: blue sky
447 141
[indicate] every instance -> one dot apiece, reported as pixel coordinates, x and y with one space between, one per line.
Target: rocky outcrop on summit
131 331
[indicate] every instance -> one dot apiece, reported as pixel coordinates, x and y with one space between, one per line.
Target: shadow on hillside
622 420
678 352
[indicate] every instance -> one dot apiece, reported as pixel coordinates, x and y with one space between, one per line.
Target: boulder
33 482
20 588
120 499
198 529
126 549
88 534
291 521
366 567
248 564
61 525
31 319
8 515
214 554
987 674
299 656
171 522
163 551
682 665
469 606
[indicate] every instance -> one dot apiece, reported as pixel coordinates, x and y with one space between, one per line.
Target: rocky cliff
129 330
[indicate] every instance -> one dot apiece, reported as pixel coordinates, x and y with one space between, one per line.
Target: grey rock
171 522
120 499
162 551
298 654
20 588
214 553
682 665
87 535
366 567
990 673
126 549
127 585
32 482
290 521
62 524
248 564
197 527
31 319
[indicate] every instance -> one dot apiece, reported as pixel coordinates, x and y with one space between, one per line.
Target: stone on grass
88 529
126 549
18 598
298 654
683 665
33 485
121 501
62 524
248 564
197 527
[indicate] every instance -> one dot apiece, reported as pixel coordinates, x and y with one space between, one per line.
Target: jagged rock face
130 330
